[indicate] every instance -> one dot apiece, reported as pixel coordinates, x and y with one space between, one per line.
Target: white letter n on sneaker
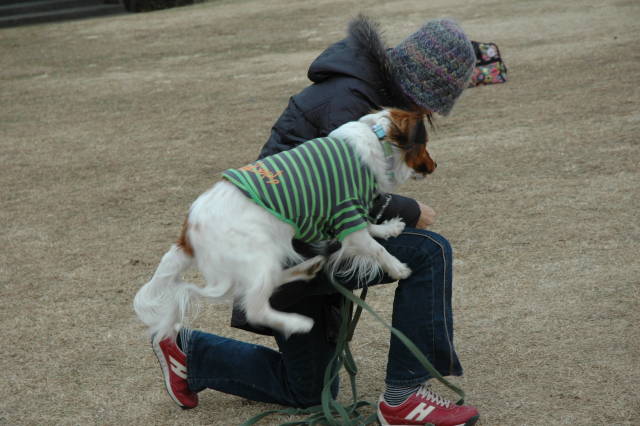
179 369
421 411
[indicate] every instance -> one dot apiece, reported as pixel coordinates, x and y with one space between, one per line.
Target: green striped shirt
320 187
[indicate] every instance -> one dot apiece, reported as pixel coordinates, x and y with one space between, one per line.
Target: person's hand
427 216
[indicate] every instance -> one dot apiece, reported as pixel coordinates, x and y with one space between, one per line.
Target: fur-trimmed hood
362 55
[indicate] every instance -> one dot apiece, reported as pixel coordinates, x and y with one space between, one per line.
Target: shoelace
430 395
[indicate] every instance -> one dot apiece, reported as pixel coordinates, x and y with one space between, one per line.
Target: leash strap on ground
404 339
330 411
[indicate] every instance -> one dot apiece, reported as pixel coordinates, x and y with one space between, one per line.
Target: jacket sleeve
388 206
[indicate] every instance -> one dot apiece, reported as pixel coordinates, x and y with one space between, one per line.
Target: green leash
331 411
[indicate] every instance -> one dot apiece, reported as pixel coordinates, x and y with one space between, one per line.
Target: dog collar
386 148
388 151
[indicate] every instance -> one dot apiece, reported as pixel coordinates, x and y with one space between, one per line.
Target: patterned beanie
434 64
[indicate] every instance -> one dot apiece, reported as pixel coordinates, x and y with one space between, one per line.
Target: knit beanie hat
434 64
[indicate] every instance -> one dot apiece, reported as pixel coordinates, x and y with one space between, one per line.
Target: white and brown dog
242 245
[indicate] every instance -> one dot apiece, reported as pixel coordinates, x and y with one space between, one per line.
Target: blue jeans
294 375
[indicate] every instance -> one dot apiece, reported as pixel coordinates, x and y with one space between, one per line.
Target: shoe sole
472 421
166 374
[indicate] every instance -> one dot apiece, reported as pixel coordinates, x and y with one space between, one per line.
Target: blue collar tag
379 131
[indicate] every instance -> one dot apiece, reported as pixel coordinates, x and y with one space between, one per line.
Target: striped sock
396 395
182 340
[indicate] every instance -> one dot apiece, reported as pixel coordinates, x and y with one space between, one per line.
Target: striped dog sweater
320 187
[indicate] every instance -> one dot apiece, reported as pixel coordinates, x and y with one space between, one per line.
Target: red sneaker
173 363
426 407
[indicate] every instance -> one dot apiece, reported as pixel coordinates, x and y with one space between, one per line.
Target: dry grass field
110 127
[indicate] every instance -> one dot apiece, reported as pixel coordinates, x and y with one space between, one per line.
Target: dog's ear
417 132
411 134
400 127
409 128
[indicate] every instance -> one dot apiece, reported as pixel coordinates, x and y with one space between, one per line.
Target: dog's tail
163 302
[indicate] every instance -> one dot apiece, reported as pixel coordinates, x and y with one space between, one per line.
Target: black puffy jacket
350 78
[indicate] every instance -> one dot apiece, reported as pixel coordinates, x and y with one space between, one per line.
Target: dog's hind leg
256 305
304 271
162 302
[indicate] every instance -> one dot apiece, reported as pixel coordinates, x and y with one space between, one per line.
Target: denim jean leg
234 367
306 356
422 308
292 377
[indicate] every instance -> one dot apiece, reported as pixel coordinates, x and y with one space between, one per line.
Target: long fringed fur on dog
242 248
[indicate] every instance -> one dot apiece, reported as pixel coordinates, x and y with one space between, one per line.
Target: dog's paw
399 271
296 324
396 226
387 229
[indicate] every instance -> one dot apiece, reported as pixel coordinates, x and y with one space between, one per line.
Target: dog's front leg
388 228
361 243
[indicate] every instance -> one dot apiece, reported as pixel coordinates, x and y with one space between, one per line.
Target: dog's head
406 130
